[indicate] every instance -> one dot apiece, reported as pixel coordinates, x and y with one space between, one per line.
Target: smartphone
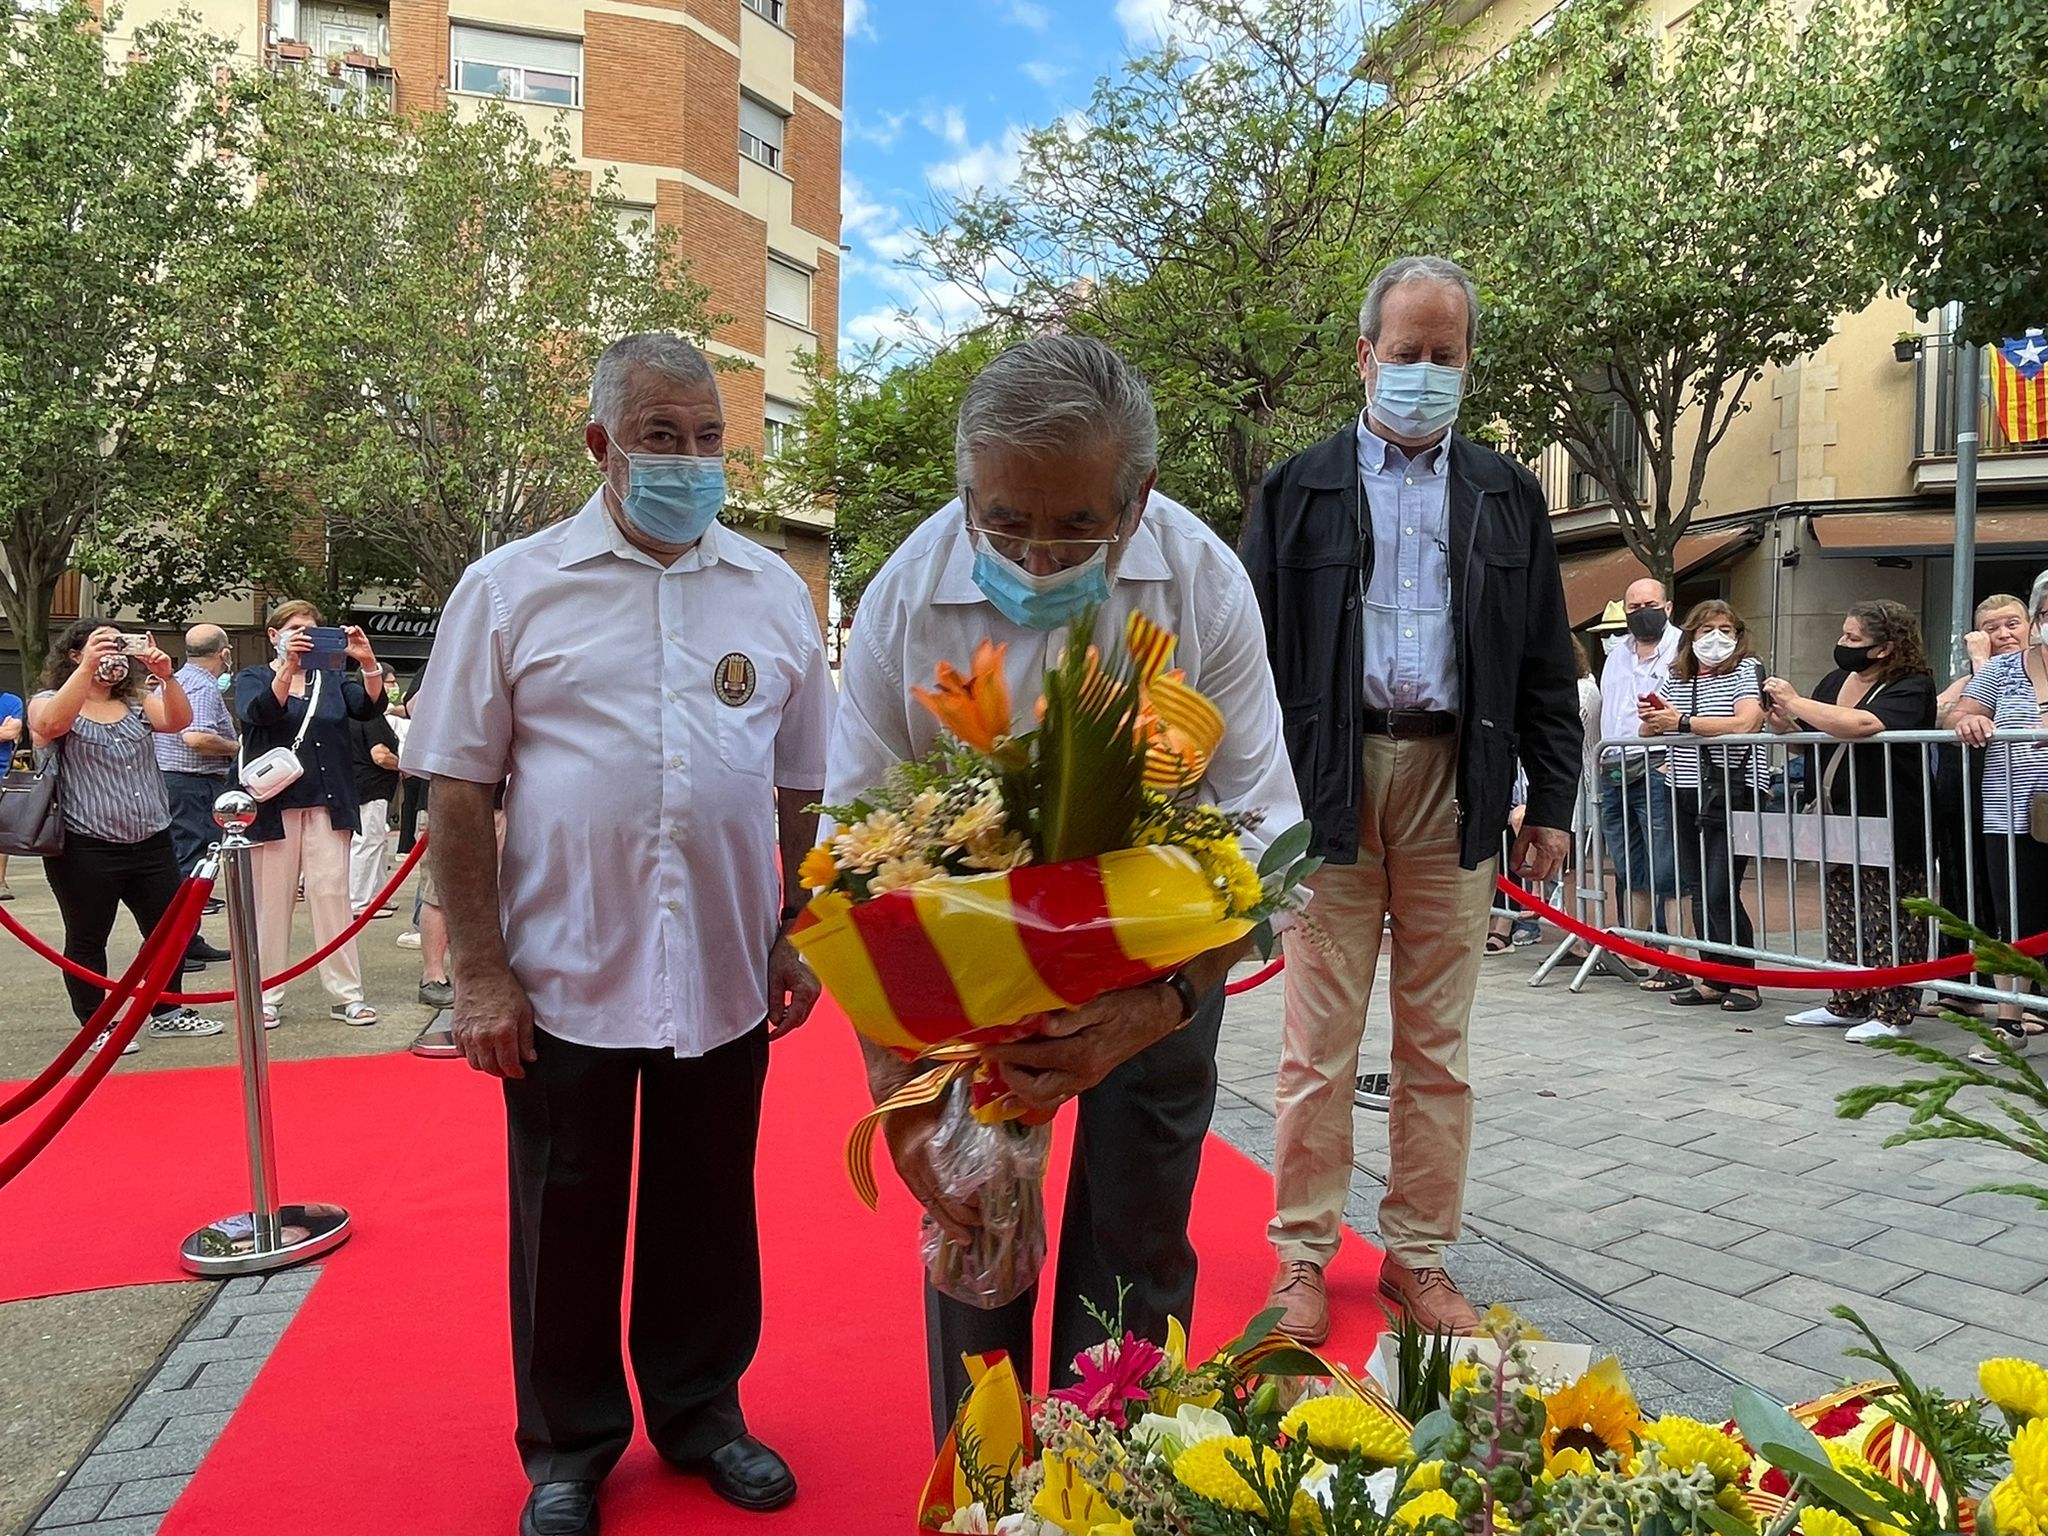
330 648
1654 701
134 645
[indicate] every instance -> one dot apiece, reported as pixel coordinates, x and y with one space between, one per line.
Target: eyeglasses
1064 553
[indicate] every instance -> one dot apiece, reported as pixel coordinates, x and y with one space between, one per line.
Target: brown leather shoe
1299 1289
1430 1297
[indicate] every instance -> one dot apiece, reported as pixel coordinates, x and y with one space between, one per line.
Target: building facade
721 118
1838 483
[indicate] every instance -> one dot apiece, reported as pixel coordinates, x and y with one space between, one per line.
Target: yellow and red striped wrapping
972 955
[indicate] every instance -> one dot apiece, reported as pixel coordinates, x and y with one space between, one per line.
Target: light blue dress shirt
1411 658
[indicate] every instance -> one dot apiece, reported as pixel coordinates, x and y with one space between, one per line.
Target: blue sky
938 93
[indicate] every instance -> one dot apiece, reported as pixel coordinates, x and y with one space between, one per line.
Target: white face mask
1713 647
2041 634
1609 644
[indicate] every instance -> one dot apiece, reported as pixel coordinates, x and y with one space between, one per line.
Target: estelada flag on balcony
2019 382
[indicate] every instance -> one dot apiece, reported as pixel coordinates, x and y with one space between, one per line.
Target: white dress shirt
644 715
924 608
1625 678
1411 657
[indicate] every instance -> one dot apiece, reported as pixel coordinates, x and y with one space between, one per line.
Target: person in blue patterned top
99 714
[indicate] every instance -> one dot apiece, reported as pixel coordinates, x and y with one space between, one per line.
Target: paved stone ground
1686 1176
150 1451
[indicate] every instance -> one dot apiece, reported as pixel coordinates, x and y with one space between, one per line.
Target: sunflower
1338 1425
1687 1443
819 869
1596 1414
2018 1388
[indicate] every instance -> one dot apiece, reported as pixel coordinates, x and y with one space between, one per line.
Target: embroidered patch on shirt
733 678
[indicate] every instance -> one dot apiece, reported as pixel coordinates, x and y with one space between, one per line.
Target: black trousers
1712 877
696 1303
1137 1148
193 830
92 880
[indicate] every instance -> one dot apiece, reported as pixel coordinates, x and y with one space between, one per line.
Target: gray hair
1419 269
654 351
1060 394
2037 597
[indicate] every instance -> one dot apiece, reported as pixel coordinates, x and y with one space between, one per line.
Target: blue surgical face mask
1417 399
673 498
225 682
1041 602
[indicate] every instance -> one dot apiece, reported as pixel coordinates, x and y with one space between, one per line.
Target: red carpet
387 1406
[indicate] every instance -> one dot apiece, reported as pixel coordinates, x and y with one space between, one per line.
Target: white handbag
280 768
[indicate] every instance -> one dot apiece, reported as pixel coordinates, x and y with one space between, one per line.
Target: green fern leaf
1089 767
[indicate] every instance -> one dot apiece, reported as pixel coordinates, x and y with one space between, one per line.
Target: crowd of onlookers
1965 820
144 748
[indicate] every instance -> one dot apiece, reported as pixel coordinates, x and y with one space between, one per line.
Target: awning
1595 579
1927 533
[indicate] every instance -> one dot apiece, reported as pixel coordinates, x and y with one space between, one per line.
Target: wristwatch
1685 725
1184 989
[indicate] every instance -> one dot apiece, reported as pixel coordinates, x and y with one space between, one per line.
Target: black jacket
1308 546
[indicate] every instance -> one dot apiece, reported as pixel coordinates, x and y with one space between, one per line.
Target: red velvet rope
73 968
165 949
1709 970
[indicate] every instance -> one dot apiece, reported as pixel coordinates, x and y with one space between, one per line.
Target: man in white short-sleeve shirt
654 690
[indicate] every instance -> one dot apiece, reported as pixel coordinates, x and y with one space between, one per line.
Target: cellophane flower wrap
1011 876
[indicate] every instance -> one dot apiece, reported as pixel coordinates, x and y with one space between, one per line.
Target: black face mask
1648 624
1853 658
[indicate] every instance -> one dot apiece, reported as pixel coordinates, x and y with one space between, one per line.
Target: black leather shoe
560 1509
205 953
745 1472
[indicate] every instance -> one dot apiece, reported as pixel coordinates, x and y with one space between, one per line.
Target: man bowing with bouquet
1057 457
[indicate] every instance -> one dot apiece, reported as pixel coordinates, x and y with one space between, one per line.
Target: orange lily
975 708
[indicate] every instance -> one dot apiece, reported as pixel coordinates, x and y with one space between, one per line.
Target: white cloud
857 215
992 165
947 123
882 131
1148 23
857 19
1028 14
1044 73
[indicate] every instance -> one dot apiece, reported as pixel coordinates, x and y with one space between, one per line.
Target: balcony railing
1934 405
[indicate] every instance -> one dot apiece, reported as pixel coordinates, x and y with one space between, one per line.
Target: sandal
361 1015
1741 1002
1663 981
1693 997
270 1016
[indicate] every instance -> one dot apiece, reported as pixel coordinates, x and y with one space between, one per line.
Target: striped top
2014 772
110 785
1714 696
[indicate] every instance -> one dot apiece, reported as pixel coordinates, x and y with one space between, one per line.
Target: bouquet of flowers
1270 1440
1008 877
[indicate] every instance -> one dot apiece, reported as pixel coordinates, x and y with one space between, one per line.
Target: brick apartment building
720 117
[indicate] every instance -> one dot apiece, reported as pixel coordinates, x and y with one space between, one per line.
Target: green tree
1654 221
1212 214
123 386
1961 144
876 440
433 291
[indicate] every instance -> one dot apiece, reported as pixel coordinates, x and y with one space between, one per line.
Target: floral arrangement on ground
1267 1439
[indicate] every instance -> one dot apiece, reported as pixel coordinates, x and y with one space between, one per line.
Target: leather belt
1409 724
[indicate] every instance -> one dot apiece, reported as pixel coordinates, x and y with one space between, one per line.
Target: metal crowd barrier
1792 842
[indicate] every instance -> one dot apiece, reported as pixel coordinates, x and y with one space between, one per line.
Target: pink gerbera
1112 1376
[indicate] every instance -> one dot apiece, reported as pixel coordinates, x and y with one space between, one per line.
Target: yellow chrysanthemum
1849 1460
1427 1506
1732 1502
1814 1521
1425 1477
819 869
1338 1425
2017 1387
2010 1513
1596 1414
1465 1374
1687 1443
1205 1469
2030 1470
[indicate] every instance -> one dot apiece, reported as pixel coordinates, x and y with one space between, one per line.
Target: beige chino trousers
1408 869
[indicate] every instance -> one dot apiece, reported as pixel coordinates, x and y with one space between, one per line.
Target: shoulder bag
279 768
31 806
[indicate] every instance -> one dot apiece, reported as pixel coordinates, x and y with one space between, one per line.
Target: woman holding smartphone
302 834
1717 690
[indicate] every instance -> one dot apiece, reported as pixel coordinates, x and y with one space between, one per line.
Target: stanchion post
268 1235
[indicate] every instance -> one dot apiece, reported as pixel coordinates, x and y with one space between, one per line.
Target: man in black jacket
1417 628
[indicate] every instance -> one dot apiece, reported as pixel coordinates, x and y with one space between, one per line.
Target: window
635 223
789 292
772 9
760 133
517 65
779 430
